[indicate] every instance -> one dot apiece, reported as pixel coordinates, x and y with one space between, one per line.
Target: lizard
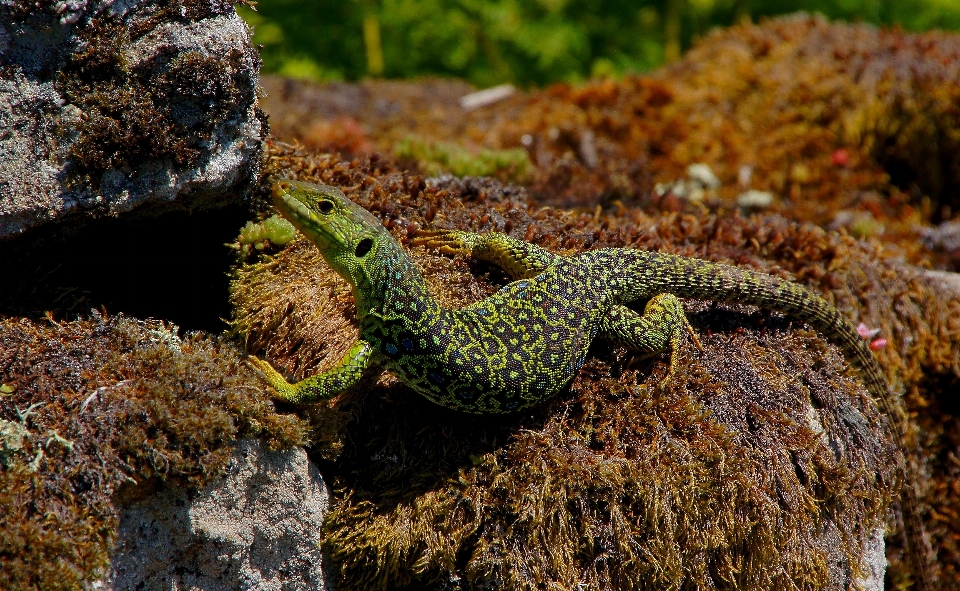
525 343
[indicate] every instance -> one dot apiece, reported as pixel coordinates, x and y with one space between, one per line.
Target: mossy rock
100 409
846 124
761 464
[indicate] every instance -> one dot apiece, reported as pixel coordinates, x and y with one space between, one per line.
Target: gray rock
948 283
256 528
107 107
874 562
945 237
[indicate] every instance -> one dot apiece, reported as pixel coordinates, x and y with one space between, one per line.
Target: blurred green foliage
527 42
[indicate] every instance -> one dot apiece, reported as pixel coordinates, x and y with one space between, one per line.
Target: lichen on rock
111 107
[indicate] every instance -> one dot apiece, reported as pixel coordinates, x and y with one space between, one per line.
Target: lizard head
348 236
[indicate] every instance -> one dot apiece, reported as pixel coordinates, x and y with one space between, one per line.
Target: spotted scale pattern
506 352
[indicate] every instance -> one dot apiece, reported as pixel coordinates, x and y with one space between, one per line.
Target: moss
441 157
835 119
723 475
275 230
104 405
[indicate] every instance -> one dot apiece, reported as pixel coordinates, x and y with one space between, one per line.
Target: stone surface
110 106
256 528
874 562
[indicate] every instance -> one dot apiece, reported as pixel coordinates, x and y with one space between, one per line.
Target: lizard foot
675 343
279 384
447 241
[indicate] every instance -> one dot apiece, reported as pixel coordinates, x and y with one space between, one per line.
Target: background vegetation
526 42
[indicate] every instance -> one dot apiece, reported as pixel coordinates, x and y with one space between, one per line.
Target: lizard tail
648 274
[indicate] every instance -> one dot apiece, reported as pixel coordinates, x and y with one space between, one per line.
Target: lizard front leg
520 259
660 327
324 385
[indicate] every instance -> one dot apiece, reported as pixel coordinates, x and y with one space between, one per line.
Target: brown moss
115 403
722 475
842 122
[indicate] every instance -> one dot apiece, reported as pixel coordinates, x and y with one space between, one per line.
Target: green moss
275 229
436 158
102 405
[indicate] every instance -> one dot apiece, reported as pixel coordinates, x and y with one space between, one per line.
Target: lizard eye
325 206
363 247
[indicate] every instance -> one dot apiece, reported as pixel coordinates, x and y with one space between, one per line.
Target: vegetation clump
275 230
99 406
720 477
441 157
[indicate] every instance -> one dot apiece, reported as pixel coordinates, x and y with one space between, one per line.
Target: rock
108 107
945 237
761 452
874 562
948 283
487 97
754 199
257 527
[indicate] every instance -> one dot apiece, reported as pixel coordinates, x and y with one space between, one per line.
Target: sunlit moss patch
736 472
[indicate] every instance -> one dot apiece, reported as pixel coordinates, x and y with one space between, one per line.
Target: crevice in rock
172 267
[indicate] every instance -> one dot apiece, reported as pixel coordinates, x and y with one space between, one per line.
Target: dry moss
848 125
723 476
115 403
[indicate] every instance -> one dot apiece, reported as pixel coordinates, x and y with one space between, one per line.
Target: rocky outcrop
258 527
113 106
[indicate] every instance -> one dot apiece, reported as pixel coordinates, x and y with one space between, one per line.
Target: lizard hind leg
659 328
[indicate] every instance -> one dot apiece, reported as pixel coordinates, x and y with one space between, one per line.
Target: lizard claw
676 343
694 337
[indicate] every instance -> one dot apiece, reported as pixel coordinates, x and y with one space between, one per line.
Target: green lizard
525 343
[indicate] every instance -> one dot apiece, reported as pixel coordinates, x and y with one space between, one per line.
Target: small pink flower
866 332
877 344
